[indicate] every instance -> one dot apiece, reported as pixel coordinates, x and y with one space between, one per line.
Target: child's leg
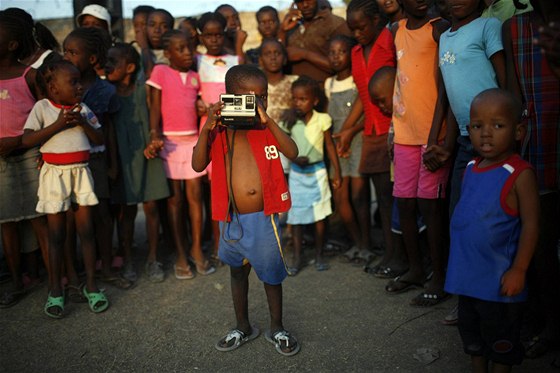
360 202
127 217
57 235
194 198
41 230
320 227
360 196
152 228
104 232
384 191
409 227
175 210
274 298
432 211
297 232
69 251
239 295
85 229
11 245
344 208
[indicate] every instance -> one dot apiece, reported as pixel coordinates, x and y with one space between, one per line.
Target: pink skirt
177 157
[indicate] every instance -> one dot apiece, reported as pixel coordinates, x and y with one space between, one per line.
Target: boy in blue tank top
494 231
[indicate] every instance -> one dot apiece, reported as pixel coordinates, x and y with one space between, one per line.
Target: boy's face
416 8
255 86
75 52
388 7
91 21
381 95
461 9
493 128
66 88
268 24
139 22
158 24
232 18
339 55
272 58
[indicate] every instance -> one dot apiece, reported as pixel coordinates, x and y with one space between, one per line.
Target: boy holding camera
248 192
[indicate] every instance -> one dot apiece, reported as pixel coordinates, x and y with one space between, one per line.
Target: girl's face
461 9
179 53
416 8
272 58
268 25
303 101
116 66
232 18
158 24
65 88
339 55
75 52
365 30
213 38
388 7
139 22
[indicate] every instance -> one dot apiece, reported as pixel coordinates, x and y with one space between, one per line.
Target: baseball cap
96 11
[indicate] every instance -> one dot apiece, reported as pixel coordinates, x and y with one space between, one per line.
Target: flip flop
425 299
387 272
11 298
54 302
282 338
116 281
236 338
74 293
398 286
97 301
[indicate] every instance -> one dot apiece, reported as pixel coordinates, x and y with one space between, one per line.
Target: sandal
183 273
205 268
53 302
11 298
425 299
235 338
387 272
117 281
75 294
349 255
215 261
285 343
97 301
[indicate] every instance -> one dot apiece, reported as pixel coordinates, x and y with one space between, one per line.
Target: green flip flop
98 302
54 302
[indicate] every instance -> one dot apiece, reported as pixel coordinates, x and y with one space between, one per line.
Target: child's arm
201 156
240 38
350 127
156 142
512 84
333 157
499 63
526 195
65 119
286 144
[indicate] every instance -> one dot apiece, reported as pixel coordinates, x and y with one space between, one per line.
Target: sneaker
128 272
154 271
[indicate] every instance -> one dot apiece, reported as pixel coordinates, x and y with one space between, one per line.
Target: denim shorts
254 239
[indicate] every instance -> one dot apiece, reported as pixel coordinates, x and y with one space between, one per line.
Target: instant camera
239 111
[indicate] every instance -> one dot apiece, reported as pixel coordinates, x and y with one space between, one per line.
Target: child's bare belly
246 180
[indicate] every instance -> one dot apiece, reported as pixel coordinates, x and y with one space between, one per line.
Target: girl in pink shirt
173 104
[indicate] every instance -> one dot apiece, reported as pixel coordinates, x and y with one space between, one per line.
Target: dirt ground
342 317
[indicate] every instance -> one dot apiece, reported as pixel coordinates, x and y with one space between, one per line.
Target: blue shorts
254 238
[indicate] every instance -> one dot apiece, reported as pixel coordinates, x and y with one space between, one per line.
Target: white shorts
62 185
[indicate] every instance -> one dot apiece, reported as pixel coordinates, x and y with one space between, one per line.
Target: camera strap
232 207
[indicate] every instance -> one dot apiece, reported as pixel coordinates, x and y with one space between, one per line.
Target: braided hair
370 8
96 42
130 55
170 34
48 72
16 28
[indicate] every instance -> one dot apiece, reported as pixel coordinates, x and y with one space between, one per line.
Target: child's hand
7 144
265 119
336 181
435 157
201 108
343 139
513 282
240 37
214 116
301 161
153 149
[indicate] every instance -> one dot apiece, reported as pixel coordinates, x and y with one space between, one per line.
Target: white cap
96 11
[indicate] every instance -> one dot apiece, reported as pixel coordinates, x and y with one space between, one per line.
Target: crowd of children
449 115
